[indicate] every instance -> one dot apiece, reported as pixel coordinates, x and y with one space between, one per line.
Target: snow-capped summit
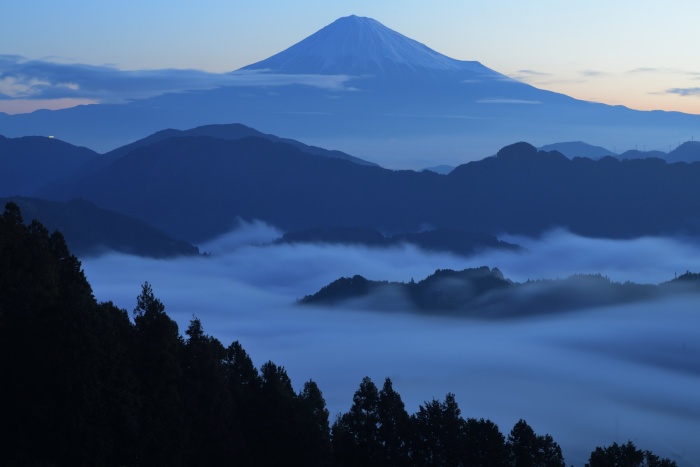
356 45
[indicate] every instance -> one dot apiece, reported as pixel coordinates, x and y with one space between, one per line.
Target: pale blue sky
642 54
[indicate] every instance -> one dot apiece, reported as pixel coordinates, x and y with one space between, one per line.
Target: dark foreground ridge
485 293
85 385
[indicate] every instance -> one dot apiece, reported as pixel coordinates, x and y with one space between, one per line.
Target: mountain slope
28 163
636 154
686 152
89 230
230 132
195 187
578 149
440 169
358 46
223 131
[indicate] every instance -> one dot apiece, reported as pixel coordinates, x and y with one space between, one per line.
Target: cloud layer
46 80
685 91
588 378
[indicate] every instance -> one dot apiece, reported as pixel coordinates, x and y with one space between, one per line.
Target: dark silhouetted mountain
636 154
224 131
195 187
230 132
28 163
578 149
358 86
440 169
686 152
89 230
524 191
485 293
443 240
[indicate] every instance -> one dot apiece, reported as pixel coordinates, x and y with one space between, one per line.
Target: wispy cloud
19 106
685 91
593 73
539 78
505 101
664 70
47 80
533 73
261 78
459 117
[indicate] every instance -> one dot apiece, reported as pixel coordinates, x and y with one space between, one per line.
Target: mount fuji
360 87
362 46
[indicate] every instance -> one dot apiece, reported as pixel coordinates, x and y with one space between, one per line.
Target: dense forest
85 383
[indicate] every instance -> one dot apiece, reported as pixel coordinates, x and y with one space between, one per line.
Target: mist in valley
588 377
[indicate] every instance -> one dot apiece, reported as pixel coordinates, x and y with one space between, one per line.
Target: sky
640 54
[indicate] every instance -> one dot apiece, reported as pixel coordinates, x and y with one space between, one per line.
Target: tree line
86 384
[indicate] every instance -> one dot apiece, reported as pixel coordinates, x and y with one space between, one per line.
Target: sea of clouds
588 378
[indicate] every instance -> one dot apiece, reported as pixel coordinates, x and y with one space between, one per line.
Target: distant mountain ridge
636 154
440 169
685 152
578 149
210 182
231 131
33 164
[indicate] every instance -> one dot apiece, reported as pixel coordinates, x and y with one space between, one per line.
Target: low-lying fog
588 378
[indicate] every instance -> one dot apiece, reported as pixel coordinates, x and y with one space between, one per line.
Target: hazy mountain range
194 187
40 164
688 151
32 163
358 86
